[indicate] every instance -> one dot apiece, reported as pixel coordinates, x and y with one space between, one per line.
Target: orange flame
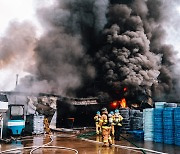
123 103
125 89
115 104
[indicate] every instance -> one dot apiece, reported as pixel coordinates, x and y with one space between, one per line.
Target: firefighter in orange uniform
106 128
111 121
97 121
117 124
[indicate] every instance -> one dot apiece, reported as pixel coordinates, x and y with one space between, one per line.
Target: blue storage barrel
159 104
168 124
172 105
148 124
158 125
177 126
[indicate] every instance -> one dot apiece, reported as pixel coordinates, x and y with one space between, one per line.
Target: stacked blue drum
160 105
168 124
158 125
177 126
136 120
148 124
126 121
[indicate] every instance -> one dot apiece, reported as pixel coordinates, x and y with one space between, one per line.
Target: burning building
110 49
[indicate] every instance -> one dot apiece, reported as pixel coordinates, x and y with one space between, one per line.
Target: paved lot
63 143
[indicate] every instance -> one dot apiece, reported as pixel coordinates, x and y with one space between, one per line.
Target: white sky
25 10
18 10
15 10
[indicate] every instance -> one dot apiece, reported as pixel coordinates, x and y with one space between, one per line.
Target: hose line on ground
83 137
133 144
33 148
43 144
125 147
56 147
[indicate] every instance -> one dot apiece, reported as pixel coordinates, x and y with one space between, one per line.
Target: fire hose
87 135
33 148
84 137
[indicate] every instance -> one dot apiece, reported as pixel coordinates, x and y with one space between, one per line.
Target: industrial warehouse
89 76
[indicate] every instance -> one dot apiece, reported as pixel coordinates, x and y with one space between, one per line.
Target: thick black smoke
134 54
64 54
93 47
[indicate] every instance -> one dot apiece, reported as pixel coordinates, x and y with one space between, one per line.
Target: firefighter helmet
98 112
111 112
104 109
116 111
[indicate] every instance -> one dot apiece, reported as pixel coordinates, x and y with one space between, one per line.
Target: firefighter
106 128
97 120
111 121
117 124
46 126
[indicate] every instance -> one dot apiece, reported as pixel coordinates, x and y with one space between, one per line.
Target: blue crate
158 136
158 140
177 139
168 115
138 134
177 123
170 105
177 135
148 138
176 115
158 111
168 112
177 112
169 141
158 131
168 127
168 131
158 117
159 105
177 143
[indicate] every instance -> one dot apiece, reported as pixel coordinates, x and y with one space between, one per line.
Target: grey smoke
135 43
102 46
62 62
18 42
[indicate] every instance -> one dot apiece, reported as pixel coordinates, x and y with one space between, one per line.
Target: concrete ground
70 143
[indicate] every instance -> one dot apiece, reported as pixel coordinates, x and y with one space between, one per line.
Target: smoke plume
133 53
92 48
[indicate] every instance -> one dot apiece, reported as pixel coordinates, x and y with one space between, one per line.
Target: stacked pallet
136 120
38 124
168 125
148 124
158 125
160 105
124 112
177 126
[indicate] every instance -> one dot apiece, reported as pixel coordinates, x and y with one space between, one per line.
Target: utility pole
16 85
16 79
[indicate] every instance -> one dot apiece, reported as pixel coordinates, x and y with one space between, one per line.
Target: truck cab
16 122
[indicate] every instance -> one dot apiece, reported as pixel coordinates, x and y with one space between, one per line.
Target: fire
125 89
114 104
117 103
123 103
